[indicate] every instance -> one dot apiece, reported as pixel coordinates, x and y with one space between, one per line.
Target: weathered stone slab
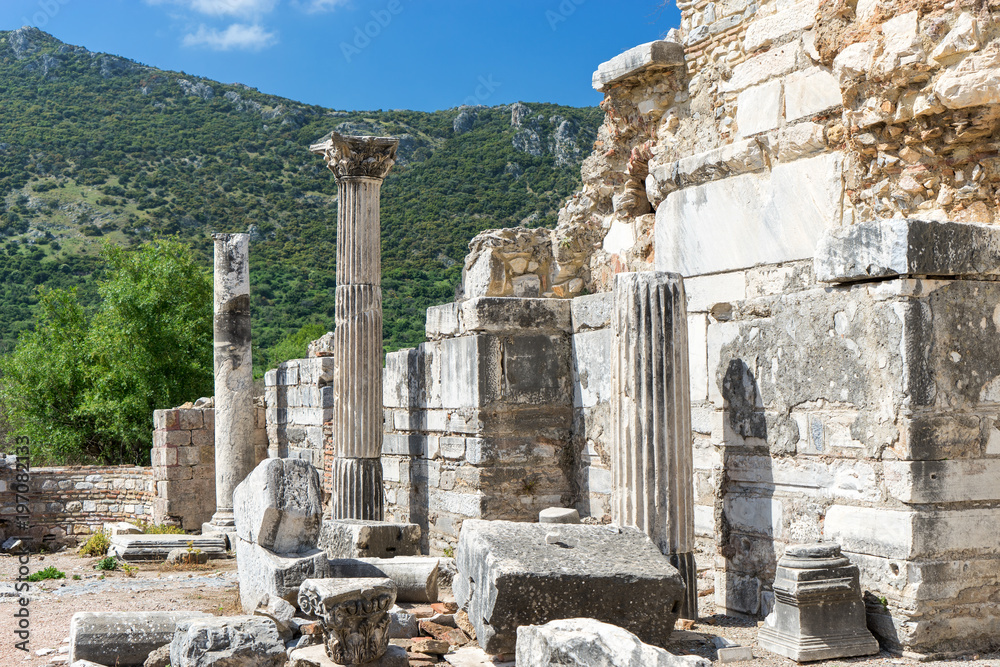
751 219
279 506
638 60
158 547
512 314
224 641
123 638
759 109
416 577
509 575
584 642
906 248
793 18
592 311
262 572
351 538
819 613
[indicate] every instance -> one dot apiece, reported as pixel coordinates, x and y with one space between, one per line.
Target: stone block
223 641
469 371
766 30
535 370
811 92
158 547
443 321
349 538
907 247
592 311
584 642
591 368
611 574
558 515
698 355
758 109
265 572
768 65
922 482
504 315
191 419
415 577
123 638
280 506
750 219
638 60
704 292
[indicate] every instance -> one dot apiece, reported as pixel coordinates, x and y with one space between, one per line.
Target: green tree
294 345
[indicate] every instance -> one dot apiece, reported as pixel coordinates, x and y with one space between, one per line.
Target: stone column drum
652 463
360 164
234 412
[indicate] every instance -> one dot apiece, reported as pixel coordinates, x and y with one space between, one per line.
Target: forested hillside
95 148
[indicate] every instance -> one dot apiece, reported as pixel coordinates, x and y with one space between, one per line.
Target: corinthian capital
357 157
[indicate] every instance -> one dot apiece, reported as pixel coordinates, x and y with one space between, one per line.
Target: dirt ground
212 588
155 587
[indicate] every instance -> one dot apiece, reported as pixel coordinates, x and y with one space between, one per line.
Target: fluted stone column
234 412
360 164
651 448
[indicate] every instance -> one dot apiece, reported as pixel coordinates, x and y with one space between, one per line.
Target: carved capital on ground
355 616
357 157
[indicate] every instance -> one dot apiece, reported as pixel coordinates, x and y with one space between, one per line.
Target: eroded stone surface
280 506
124 638
252 641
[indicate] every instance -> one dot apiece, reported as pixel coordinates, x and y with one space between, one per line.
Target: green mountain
97 148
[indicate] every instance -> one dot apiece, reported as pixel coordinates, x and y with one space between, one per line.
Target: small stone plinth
559 515
509 575
158 547
355 538
818 612
355 616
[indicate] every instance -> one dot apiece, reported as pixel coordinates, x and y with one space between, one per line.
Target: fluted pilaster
234 414
360 164
651 449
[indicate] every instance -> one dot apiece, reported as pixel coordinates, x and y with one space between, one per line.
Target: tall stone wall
478 420
183 459
67 504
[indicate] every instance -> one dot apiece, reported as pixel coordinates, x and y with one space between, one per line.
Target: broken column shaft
652 463
360 164
234 412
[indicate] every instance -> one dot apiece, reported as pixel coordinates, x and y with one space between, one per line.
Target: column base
689 574
357 491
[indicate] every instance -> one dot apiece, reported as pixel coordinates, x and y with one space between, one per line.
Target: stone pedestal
818 612
355 616
359 164
652 468
234 411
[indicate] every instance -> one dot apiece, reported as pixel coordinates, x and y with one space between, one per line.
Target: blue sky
366 54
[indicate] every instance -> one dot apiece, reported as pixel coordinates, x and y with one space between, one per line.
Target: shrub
108 564
161 529
97 545
48 573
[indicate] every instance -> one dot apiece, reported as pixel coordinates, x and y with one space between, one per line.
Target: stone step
158 547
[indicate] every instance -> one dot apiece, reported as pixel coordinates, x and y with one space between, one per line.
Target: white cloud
226 7
238 36
317 6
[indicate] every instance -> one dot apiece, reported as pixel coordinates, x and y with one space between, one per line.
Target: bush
48 573
108 564
97 545
161 529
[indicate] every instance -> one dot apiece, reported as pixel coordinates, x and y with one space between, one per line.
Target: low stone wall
299 397
183 460
68 503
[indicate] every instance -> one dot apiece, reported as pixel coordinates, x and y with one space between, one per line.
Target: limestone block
963 480
558 515
638 60
221 641
611 574
907 247
854 61
123 638
416 577
963 38
750 219
768 65
901 44
443 321
469 369
698 355
739 157
352 538
584 642
591 368
486 277
973 82
514 315
800 140
704 292
401 379
280 506
810 92
758 109
764 31
591 312
263 572
158 547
